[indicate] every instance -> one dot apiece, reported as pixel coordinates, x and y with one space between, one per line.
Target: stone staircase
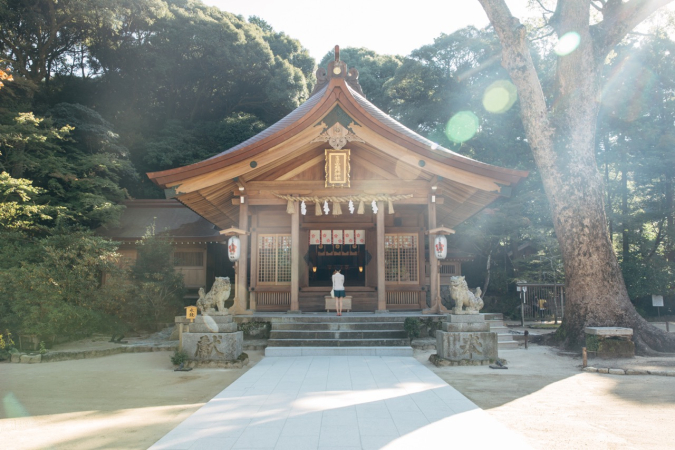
504 338
350 334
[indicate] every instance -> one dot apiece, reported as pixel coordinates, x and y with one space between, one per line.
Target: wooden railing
412 298
272 298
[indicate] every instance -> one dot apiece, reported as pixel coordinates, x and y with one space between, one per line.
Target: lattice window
274 259
448 269
188 259
400 258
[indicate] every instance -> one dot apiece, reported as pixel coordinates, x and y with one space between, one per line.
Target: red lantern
441 247
234 248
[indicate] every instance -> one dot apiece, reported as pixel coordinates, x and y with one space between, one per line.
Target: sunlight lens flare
210 323
499 97
567 43
461 127
13 407
628 91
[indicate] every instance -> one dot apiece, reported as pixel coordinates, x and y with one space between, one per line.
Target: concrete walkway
340 402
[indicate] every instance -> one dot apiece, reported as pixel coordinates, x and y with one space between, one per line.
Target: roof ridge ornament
337 135
337 69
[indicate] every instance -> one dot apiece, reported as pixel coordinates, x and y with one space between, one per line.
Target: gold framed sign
337 168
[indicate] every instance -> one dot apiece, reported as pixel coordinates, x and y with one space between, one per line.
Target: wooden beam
373 167
430 165
295 256
301 168
243 167
381 285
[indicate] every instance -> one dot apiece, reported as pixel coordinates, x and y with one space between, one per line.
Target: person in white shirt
338 290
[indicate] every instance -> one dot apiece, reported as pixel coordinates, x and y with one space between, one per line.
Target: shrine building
337 183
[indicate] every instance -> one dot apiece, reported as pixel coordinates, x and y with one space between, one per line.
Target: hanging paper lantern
234 248
441 247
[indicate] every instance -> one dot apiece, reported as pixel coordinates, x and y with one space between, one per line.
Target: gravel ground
129 401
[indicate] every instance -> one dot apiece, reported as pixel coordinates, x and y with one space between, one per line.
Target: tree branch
541 5
618 19
517 60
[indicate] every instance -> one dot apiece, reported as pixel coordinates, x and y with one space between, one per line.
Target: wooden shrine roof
171 219
279 154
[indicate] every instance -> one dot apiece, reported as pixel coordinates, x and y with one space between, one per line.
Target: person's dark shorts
339 294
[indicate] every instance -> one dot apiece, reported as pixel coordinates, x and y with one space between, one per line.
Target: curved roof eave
255 144
310 112
427 148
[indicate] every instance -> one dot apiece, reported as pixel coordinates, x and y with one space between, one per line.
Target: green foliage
179 357
158 289
635 152
52 285
6 345
412 326
77 168
17 210
430 325
375 71
43 348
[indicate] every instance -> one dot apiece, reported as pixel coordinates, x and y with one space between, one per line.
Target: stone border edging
86 354
662 373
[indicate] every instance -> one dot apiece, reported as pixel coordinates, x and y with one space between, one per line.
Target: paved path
340 402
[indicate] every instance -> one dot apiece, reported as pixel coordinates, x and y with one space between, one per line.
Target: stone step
338 326
503 345
338 343
493 316
338 319
345 334
503 337
339 351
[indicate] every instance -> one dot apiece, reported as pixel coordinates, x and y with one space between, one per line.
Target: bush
179 357
6 345
412 326
52 285
157 289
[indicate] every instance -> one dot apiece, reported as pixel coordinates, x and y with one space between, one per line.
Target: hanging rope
337 210
346 199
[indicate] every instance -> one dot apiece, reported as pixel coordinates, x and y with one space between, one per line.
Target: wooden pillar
433 261
242 269
381 289
295 256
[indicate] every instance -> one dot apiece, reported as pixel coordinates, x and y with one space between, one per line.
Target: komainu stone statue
464 298
213 303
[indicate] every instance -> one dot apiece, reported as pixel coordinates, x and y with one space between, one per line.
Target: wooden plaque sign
191 312
337 168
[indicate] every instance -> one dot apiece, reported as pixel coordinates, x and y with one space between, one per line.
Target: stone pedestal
465 340
610 342
213 339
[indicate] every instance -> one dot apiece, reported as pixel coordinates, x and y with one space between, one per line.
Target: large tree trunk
562 138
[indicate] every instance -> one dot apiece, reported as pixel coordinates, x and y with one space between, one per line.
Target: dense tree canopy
96 93
374 72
